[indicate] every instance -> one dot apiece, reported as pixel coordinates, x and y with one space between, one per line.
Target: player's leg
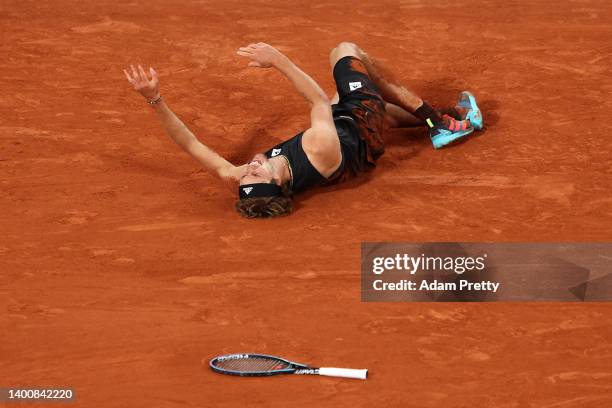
396 113
335 99
389 87
395 117
400 99
443 129
398 117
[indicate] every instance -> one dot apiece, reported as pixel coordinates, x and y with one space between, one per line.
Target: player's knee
348 47
347 44
344 49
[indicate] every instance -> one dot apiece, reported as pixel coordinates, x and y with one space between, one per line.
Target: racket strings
252 365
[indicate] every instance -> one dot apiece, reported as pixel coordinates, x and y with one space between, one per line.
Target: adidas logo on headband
259 190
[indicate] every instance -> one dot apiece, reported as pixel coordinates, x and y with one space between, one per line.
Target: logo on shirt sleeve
275 152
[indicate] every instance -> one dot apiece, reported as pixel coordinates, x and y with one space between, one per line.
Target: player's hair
266 207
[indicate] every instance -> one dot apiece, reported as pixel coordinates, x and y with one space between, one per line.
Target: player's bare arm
176 129
320 141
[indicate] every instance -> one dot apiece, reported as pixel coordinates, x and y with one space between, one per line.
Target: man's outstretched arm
176 129
265 56
321 138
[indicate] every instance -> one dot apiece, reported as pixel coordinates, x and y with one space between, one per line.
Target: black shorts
361 101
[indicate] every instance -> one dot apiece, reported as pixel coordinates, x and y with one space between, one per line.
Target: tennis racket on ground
260 365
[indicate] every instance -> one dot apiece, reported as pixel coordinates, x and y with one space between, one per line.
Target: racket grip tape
344 372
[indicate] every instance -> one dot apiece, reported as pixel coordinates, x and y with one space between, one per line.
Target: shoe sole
442 140
474 115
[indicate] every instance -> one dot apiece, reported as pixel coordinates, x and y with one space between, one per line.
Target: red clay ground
123 266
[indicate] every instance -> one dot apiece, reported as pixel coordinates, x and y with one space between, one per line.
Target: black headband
259 190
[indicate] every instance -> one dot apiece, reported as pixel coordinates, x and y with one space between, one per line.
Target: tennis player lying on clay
346 133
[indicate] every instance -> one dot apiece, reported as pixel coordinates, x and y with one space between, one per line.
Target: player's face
258 170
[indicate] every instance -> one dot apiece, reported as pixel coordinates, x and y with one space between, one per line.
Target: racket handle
344 372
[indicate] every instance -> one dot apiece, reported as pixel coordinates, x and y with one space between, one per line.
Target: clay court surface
123 266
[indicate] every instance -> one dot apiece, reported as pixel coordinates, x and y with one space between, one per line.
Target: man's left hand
263 55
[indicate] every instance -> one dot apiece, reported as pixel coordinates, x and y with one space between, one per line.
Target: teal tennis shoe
449 131
467 101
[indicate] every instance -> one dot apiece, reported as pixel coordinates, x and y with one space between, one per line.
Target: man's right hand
149 88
